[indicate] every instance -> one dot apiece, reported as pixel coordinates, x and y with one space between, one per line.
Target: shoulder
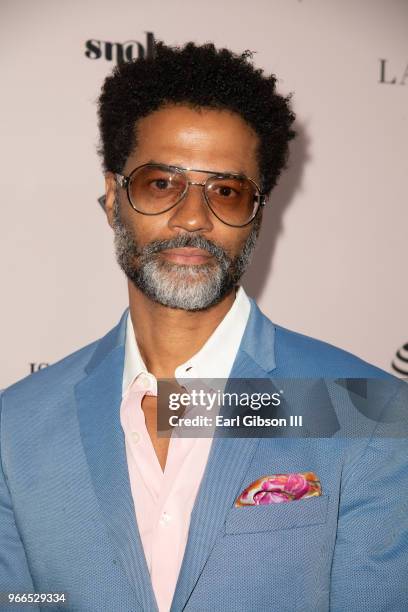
313 357
55 377
59 378
361 394
291 354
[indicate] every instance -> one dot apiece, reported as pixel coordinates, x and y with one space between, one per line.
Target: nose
192 213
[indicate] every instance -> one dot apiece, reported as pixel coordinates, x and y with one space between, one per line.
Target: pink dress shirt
164 500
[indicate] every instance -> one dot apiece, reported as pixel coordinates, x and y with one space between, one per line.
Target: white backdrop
332 256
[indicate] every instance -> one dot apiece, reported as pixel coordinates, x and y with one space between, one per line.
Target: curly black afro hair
199 76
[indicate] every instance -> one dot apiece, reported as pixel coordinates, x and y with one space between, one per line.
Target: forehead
201 138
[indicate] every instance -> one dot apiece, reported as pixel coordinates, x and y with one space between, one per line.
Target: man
93 502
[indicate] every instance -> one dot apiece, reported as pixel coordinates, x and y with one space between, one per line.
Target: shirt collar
213 360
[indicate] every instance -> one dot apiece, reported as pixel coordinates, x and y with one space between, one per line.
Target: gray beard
195 287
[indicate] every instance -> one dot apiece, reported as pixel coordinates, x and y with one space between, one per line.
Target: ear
110 194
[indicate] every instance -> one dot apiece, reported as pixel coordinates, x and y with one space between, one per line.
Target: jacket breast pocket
287 515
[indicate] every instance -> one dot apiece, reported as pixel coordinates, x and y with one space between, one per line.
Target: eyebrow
238 173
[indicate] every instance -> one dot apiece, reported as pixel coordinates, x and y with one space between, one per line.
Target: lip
187 255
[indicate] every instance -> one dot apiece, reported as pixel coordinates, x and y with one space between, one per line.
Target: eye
161 184
226 191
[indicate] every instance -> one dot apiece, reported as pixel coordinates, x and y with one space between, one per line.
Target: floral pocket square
278 488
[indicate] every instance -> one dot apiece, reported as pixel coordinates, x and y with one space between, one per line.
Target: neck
167 337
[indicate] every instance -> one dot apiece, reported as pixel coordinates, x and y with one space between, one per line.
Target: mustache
185 240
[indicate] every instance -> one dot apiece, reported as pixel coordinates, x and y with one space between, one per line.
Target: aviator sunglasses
153 189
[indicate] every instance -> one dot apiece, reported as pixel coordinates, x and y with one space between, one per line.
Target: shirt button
165 518
135 437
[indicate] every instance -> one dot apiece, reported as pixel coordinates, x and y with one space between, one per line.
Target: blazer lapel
228 462
99 397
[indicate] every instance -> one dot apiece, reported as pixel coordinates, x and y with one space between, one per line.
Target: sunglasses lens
153 189
235 201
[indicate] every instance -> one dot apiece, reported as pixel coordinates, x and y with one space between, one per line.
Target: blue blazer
67 520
